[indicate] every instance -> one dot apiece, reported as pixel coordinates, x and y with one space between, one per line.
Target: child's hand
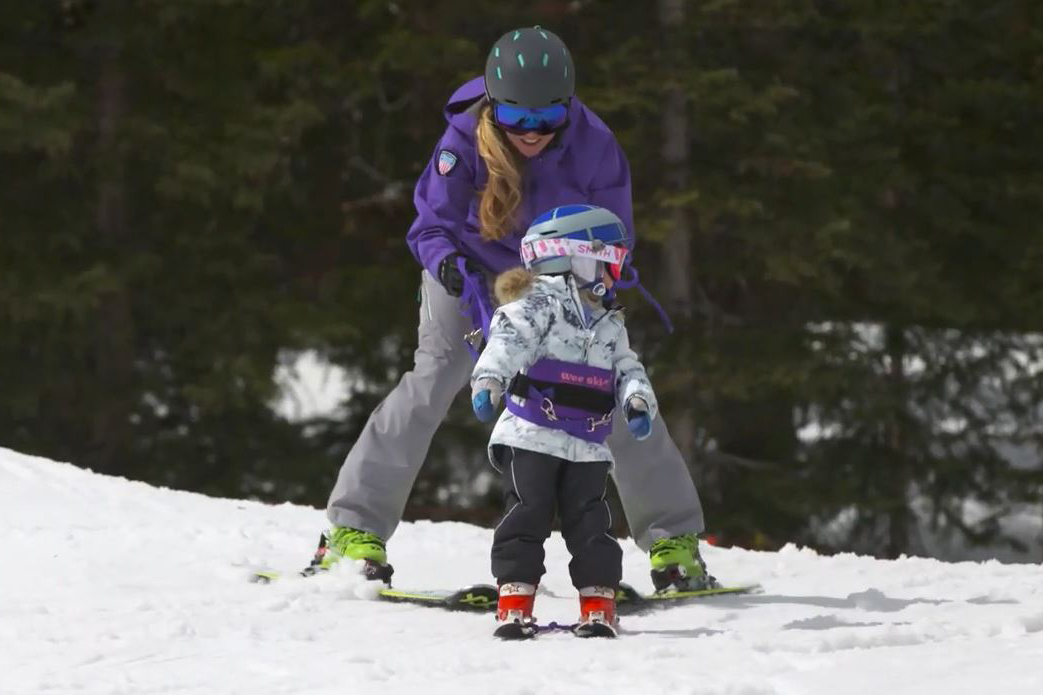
638 419
485 396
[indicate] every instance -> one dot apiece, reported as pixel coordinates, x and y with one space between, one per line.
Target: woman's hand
450 276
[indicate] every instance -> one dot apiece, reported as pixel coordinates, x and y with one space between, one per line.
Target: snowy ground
110 586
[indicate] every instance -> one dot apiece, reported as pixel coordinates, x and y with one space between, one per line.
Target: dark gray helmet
530 67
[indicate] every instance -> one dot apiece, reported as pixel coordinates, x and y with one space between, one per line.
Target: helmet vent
512 75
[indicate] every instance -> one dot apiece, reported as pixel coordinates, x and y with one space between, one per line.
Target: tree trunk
898 479
114 333
677 271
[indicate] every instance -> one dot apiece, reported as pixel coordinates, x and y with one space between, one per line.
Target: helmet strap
596 287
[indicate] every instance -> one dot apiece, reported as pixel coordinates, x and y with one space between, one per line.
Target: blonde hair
502 193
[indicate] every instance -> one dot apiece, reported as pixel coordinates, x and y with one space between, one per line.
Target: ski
630 601
516 631
483 597
477 597
594 629
370 570
267 576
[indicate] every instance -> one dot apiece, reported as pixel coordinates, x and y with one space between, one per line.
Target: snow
112 586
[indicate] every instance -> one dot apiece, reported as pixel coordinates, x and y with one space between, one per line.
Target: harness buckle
475 338
593 424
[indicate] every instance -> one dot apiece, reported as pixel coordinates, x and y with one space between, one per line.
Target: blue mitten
638 419
485 396
483 406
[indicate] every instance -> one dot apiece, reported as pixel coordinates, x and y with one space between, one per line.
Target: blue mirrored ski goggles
517 119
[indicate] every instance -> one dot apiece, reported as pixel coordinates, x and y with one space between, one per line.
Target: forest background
839 204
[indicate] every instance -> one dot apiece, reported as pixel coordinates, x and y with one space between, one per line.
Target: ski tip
594 629
477 597
516 631
719 590
263 576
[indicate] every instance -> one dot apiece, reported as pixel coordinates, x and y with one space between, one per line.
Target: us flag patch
446 162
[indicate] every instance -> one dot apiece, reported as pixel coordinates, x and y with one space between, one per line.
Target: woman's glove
638 419
485 397
450 276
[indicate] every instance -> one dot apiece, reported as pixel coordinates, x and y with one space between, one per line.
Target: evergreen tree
839 203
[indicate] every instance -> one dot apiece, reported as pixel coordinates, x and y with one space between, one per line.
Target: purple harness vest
575 398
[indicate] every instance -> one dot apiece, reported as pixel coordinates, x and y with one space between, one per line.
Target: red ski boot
597 612
514 611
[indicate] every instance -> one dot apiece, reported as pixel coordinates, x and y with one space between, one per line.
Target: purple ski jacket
584 164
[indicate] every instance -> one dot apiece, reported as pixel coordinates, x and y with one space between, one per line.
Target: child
559 350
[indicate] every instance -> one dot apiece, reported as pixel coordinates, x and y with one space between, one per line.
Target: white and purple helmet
577 239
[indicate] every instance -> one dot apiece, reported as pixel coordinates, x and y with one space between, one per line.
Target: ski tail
477 597
630 601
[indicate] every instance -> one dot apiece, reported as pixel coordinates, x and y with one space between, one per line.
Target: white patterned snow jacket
549 319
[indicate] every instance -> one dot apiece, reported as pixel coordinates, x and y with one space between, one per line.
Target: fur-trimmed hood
512 284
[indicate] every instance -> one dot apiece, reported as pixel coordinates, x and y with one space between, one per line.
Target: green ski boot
341 542
677 565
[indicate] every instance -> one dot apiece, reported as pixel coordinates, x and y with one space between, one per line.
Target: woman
518 143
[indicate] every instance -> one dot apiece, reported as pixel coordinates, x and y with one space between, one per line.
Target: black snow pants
534 484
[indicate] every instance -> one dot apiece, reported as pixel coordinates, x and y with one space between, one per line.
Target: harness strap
475 305
575 398
566 395
635 281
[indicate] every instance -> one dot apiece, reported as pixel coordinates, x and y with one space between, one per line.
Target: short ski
525 631
516 631
594 629
483 597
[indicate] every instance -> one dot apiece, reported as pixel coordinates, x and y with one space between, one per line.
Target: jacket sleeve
517 338
610 187
631 378
442 202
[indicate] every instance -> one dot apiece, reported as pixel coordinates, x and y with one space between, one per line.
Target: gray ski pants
657 492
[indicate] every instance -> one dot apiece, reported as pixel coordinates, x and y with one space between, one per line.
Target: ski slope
111 586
